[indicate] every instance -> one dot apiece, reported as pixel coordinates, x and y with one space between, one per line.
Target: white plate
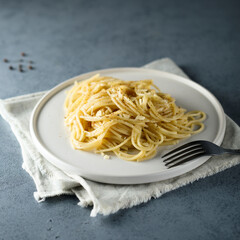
52 140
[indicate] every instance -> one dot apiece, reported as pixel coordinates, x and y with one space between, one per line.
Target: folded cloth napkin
105 198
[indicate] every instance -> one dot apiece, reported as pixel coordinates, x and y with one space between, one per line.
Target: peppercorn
20 68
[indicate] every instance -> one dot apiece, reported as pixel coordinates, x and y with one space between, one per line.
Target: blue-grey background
68 37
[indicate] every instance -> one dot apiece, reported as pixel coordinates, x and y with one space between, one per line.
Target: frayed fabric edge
39 196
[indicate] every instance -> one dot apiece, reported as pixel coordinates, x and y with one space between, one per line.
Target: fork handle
233 151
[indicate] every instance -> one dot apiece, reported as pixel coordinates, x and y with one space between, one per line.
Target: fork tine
186 160
182 147
185 155
181 152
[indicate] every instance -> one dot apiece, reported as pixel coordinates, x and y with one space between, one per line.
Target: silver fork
192 150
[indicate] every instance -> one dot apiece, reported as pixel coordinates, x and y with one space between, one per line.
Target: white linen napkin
105 198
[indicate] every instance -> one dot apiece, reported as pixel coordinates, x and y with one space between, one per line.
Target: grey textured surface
66 38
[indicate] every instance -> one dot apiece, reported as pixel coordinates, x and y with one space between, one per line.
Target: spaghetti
129 118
